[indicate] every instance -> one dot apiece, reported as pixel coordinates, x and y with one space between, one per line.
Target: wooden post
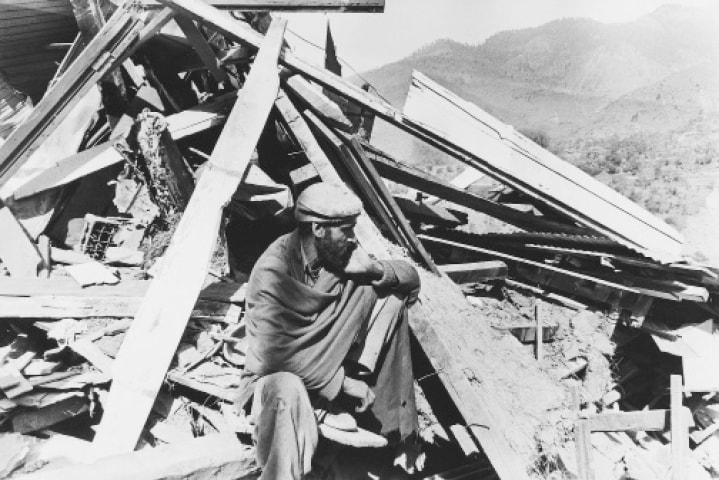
202 48
539 333
680 432
163 314
583 442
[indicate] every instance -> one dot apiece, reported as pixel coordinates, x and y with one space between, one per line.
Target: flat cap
326 203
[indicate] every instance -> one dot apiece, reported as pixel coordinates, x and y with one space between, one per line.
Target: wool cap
325 203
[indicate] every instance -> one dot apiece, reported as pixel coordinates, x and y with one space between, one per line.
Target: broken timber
103 54
161 320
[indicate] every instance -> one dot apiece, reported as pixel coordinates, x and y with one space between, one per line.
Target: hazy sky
369 40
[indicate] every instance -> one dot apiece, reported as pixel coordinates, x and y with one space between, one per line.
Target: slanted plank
107 50
18 252
475 272
302 134
679 429
317 102
367 6
165 309
413 177
202 48
640 421
381 188
583 443
33 420
216 457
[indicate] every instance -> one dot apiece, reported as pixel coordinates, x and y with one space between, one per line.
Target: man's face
334 244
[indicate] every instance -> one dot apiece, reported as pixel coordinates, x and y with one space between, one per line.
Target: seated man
321 331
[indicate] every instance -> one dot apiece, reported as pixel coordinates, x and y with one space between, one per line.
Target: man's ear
318 230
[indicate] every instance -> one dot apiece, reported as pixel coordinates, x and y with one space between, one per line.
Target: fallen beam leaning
162 317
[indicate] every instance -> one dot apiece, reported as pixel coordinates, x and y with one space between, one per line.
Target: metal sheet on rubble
508 155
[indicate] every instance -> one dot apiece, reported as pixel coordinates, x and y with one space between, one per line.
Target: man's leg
285 427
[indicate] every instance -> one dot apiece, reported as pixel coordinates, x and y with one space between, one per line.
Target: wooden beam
381 188
366 6
213 457
552 268
298 128
202 48
19 254
640 421
413 177
56 307
422 212
475 272
583 443
33 420
163 314
358 178
680 430
223 292
107 50
317 102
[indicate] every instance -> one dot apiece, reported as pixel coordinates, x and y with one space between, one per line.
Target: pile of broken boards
95 180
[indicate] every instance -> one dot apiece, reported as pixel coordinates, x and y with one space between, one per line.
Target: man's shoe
342 421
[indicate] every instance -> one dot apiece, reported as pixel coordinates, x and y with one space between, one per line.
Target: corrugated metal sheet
27 27
498 150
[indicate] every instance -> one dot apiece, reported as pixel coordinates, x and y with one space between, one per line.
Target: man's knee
283 385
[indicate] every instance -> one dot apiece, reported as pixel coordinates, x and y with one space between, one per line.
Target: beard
333 256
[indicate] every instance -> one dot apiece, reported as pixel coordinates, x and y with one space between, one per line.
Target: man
326 325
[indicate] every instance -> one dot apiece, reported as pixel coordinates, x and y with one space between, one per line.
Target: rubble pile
166 155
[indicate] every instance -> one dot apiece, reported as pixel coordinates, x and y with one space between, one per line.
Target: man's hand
361 263
359 390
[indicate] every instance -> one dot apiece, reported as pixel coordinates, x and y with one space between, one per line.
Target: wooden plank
202 48
552 268
583 443
34 420
298 128
680 431
358 177
367 6
211 457
422 212
317 102
381 188
103 54
165 309
413 177
56 307
18 252
640 421
227 395
475 272
223 292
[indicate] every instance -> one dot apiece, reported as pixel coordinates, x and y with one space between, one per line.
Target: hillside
636 103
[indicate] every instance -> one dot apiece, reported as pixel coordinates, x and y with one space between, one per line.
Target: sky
370 40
